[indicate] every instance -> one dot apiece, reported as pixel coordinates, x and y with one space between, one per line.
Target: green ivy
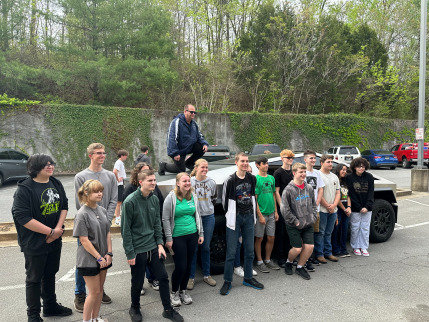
319 131
75 127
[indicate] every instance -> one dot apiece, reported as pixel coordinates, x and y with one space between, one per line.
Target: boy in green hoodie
143 244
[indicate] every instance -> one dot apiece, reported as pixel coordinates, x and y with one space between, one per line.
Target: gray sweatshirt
168 216
110 193
298 206
206 193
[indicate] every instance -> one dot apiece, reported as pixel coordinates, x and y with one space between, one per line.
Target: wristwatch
110 254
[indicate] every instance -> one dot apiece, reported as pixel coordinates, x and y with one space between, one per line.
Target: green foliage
11 102
318 131
75 127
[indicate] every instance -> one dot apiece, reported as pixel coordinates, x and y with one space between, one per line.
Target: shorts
91 271
269 228
316 223
298 237
120 192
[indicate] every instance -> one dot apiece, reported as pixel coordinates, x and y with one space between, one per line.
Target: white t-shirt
332 185
315 180
119 165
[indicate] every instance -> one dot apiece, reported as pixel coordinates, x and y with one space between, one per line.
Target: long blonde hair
177 191
197 164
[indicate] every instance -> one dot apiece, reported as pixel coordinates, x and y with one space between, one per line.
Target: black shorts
298 237
91 271
120 192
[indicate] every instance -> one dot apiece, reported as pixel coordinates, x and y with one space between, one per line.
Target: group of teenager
301 210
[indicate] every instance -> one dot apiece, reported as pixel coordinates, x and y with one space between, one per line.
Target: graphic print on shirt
243 193
312 181
49 201
361 187
202 189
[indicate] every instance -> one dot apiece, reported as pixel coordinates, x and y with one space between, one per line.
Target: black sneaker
253 283
135 314
281 262
57 310
106 298
35 319
309 267
295 263
288 268
79 302
314 261
172 315
343 255
161 168
303 273
225 288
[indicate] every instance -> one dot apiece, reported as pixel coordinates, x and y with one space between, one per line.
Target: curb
403 192
68 232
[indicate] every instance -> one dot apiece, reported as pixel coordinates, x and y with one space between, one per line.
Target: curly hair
358 162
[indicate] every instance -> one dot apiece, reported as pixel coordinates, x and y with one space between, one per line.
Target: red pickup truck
407 154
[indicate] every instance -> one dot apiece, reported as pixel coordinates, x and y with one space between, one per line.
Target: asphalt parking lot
390 285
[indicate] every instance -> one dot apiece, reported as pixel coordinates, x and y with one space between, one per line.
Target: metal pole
421 121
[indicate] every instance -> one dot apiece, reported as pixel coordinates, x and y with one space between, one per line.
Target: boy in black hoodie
39 209
299 211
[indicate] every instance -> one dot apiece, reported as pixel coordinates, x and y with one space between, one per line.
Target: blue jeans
322 239
244 225
208 226
79 281
237 260
339 234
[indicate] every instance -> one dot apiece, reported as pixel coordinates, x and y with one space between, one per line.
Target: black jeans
181 165
282 242
151 259
184 248
40 281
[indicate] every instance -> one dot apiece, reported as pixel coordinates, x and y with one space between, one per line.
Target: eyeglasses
100 153
289 158
50 165
192 112
360 166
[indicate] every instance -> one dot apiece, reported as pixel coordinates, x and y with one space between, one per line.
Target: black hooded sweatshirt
26 207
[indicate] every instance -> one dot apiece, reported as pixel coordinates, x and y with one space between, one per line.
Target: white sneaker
185 297
365 252
118 221
175 298
254 272
239 271
142 292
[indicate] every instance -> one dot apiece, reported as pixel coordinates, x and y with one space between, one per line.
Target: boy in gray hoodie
299 210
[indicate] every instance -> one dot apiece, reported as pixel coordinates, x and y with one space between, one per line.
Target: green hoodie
140 224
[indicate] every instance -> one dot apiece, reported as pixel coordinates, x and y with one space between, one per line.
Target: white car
345 153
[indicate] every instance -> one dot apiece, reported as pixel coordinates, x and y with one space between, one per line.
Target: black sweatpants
138 270
181 165
184 248
282 242
40 281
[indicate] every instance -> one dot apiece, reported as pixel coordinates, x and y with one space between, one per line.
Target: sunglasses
192 112
50 165
289 158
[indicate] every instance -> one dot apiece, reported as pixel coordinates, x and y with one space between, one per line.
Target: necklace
94 212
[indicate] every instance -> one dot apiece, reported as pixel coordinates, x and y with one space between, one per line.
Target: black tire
392 167
218 246
382 221
405 163
1 180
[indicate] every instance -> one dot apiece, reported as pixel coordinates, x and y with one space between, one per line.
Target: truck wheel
382 221
1 180
405 163
218 246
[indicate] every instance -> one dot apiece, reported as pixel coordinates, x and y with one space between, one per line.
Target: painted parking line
400 227
69 277
420 203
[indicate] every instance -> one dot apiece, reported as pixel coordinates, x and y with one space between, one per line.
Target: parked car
383 219
13 165
217 152
344 152
265 149
380 158
407 154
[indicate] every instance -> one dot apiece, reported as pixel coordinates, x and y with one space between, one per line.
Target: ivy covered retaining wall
64 131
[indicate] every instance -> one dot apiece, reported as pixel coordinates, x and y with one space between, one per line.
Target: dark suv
13 165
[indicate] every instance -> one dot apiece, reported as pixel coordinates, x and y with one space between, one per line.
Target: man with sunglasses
95 171
184 137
